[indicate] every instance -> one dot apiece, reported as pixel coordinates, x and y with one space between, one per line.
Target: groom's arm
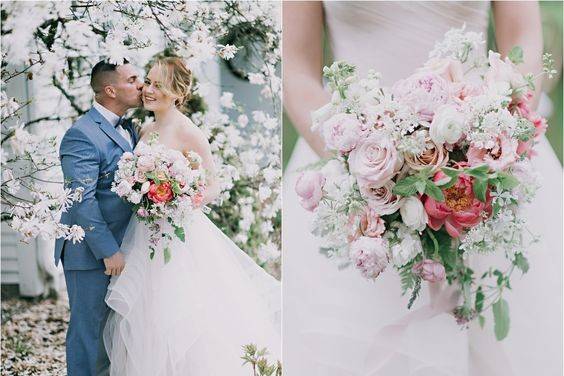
80 161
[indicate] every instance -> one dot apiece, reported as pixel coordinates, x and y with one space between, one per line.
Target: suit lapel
109 130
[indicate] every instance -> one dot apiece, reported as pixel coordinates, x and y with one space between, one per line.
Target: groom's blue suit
89 154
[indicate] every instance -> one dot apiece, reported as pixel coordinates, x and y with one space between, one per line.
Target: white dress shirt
113 119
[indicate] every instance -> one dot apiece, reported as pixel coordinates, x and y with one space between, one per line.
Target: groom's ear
110 91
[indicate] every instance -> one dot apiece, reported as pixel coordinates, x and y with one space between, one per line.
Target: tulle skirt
335 323
192 315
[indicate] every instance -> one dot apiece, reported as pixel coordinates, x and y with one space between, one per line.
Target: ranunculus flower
447 126
449 69
160 192
503 154
370 255
309 188
429 270
435 156
342 132
413 213
375 161
424 92
460 210
381 199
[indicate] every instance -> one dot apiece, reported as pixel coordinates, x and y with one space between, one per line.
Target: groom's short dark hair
101 73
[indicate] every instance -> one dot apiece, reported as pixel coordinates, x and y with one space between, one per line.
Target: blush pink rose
368 224
424 92
429 270
501 156
375 161
502 71
145 164
309 188
342 132
369 255
460 210
381 199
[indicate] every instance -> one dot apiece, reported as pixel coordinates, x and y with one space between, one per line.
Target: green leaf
480 186
433 191
414 293
179 232
479 172
420 186
501 319
451 172
479 304
166 254
406 186
482 321
507 181
516 55
521 263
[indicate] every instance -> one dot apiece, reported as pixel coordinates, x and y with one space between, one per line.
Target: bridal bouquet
164 186
429 172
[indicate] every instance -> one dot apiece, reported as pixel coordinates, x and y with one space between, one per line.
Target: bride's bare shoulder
188 132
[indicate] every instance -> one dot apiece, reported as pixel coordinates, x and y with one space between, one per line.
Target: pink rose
424 92
501 156
145 164
449 69
429 270
435 156
460 210
368 224
381 199
309 188
369 255
342 132
140 177
374 161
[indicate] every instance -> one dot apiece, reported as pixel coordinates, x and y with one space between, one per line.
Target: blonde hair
175 78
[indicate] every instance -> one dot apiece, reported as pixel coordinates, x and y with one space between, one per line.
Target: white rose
413 213
135 197
447 125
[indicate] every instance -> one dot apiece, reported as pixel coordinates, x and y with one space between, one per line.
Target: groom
89 154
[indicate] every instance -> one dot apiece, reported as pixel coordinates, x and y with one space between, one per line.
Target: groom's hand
115 264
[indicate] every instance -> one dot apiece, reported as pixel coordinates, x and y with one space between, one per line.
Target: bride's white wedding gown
192 315
331 317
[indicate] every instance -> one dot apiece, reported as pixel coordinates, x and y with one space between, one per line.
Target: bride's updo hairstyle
175 78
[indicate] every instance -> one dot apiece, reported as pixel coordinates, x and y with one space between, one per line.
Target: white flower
264 192
447 126
76 234
228 51
268 252
413 213
408 247
226 99
256 78
135 197
243 120
123 188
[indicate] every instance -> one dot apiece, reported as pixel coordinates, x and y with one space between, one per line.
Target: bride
192 315
332 318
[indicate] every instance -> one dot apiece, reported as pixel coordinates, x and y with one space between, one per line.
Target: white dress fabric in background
191 316
331 318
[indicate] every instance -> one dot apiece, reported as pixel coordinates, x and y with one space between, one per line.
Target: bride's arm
196 141
302 60
519 24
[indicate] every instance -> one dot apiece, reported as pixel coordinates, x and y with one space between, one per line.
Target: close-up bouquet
164 185
431 173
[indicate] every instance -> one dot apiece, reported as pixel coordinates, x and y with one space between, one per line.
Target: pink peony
501 156
160 192
424 92
369 255
429 270
459 210
375 161
309 188
342 132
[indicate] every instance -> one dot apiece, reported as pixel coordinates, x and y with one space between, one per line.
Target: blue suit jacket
89 154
